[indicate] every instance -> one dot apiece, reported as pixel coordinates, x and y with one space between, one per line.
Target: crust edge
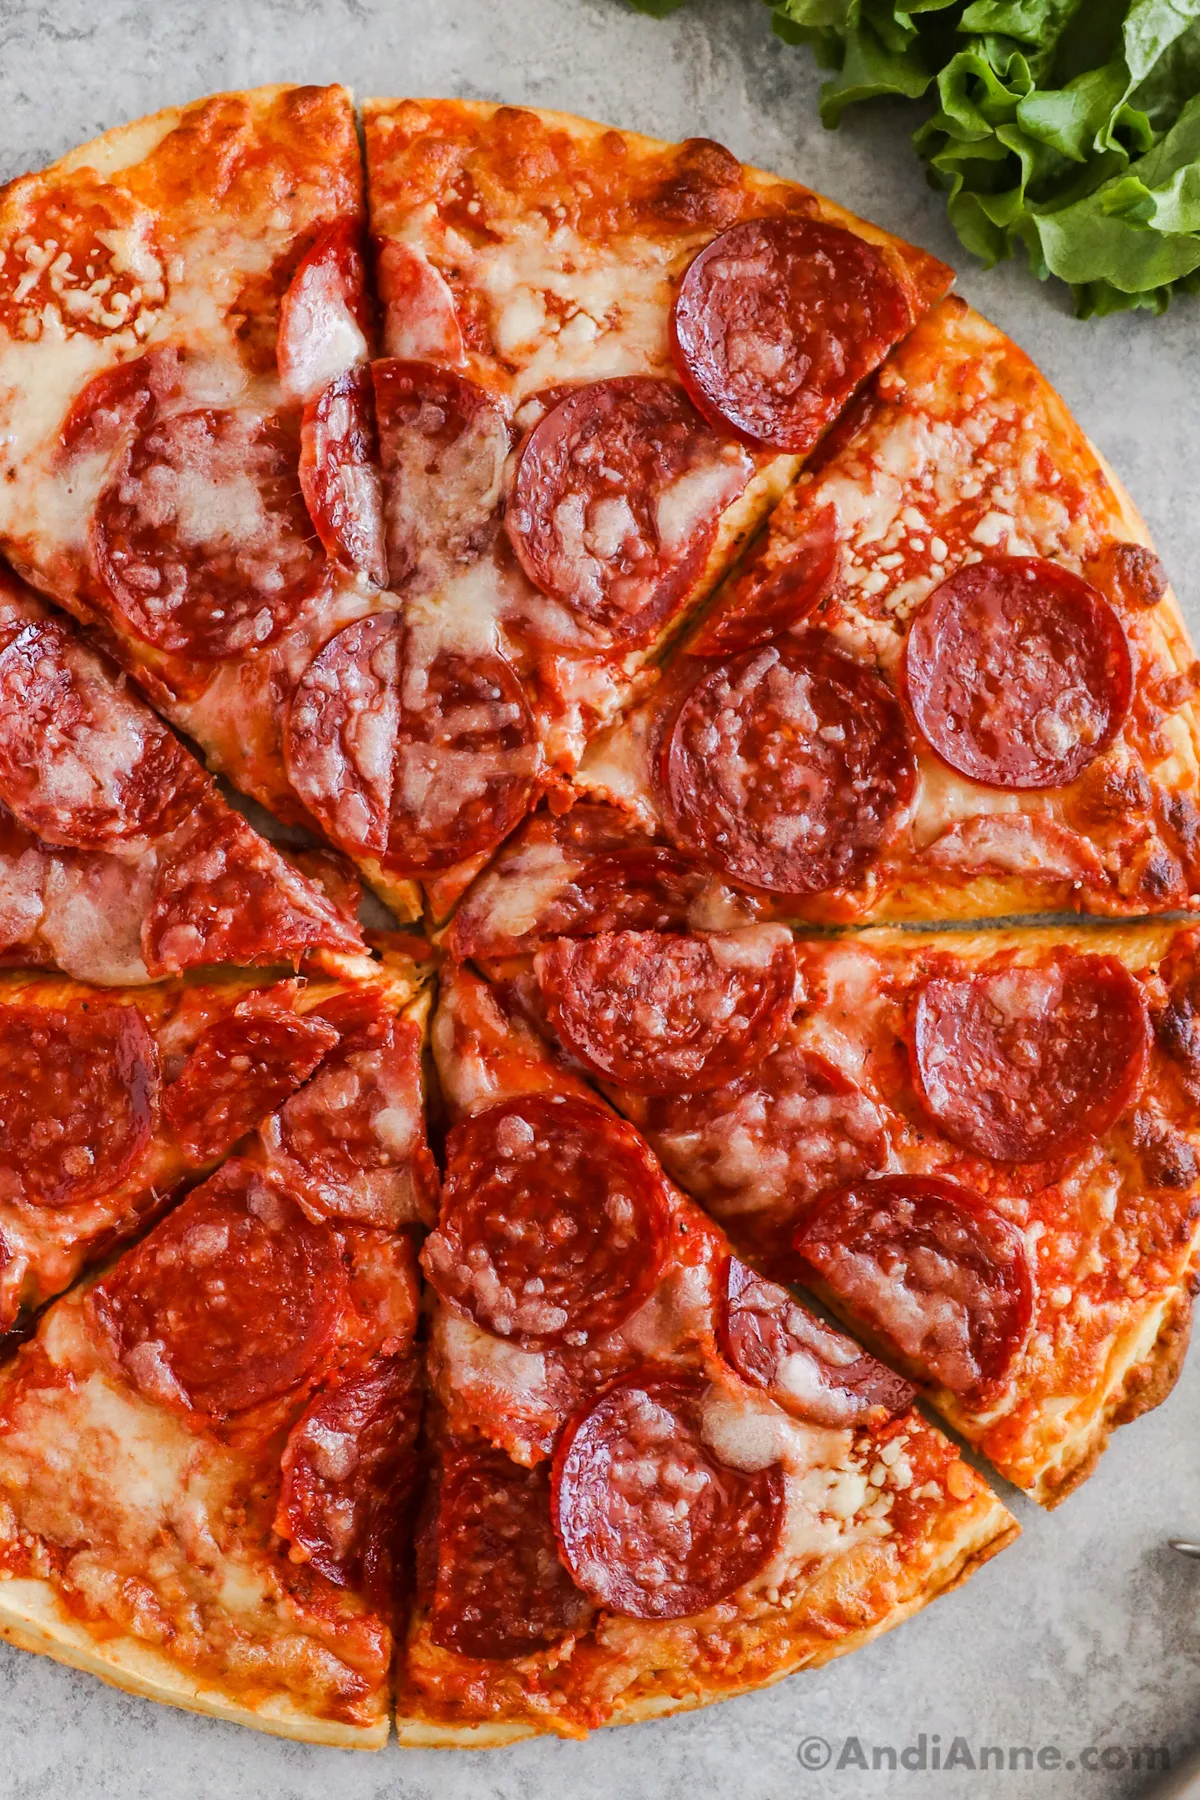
33 1618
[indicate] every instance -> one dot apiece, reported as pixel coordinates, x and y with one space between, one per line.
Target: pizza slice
186 410
120 861
949 681
604 358
658 1479
207 1454
980 1150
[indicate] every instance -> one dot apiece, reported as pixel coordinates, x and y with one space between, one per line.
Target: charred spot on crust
1168 1160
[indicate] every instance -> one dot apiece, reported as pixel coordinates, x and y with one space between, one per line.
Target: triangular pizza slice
207 1454
948 682
120 860
186 414
658 1480
979 1149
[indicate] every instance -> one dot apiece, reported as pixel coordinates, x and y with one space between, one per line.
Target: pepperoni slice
82 762
324 316
241 1069
225 895
778 320
786 768
497 1588
554 1221
419 759
349 1472
769 597
1018 672
1022 1064
443 441
815 1373
232 1302
78 1100
420 319
650 1522
338 477
759 1150
616 500
938 1276
659 1014
202 537
353 1141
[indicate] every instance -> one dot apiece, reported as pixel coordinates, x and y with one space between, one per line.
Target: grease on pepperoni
1018 672
935 1274
767 597
1024 1064
222 894
79 1097
239 1070
349 1473
338 476
554 1221
616 501
420 757
650 1522
778 320
814 1372
489 1559
83 762
202 538
663 1014
758 1151
787 768
324 316
232 1302
443 441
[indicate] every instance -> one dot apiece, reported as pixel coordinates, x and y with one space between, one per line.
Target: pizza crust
986 1530
33 1618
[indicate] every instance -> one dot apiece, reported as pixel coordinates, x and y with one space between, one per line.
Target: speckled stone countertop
1087 1632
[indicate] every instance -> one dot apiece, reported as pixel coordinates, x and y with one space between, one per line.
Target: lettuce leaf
1066 128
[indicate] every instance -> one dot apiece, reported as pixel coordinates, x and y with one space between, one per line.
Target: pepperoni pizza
657 1479
207 1454
633 559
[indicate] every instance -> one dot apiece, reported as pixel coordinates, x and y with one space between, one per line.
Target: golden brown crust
33 1618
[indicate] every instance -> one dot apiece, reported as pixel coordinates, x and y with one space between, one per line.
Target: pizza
717 649
120 860
657 1478
980 1149
207 1451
